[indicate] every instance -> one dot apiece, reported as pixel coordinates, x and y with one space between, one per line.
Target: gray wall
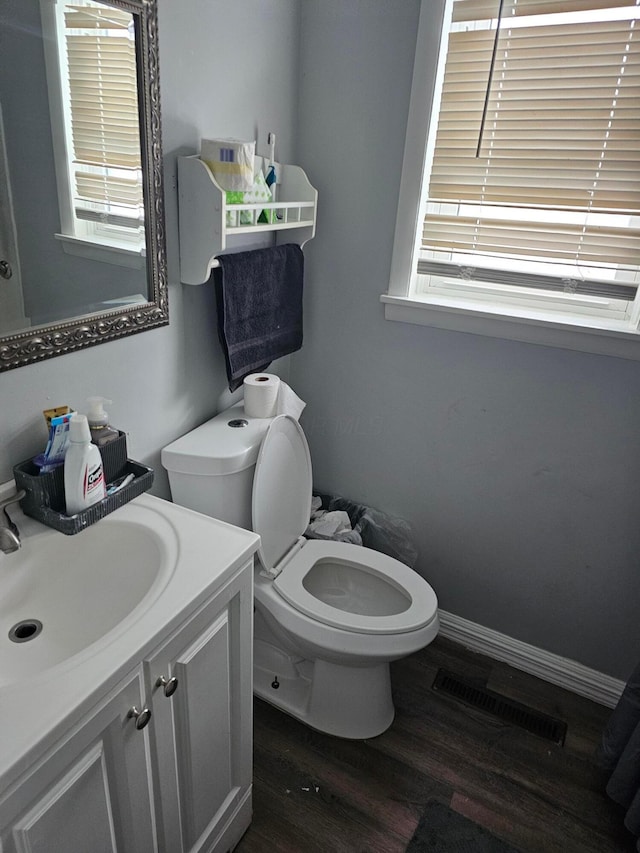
516 464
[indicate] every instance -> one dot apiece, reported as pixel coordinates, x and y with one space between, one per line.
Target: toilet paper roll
265 396
288 402
261 395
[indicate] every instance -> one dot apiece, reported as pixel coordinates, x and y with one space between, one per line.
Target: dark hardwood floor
313 792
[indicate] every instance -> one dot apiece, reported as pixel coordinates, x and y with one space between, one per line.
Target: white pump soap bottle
83 473
101 432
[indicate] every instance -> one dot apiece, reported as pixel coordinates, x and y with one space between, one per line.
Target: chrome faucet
9 534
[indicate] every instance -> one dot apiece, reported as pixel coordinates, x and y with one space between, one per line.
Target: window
527 224
91 67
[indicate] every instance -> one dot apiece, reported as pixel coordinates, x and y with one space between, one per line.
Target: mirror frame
49 341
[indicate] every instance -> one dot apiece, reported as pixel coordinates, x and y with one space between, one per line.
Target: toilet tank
211 468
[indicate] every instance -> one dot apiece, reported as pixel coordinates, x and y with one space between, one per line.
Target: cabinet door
93 793
203 731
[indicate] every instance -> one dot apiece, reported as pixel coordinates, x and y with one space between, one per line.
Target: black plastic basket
45 498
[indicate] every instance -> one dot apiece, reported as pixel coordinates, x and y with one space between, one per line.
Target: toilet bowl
329 616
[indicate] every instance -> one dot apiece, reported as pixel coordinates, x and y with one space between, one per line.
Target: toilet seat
421 602
281 504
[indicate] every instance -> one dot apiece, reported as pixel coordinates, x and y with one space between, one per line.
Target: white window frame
92 240
493 311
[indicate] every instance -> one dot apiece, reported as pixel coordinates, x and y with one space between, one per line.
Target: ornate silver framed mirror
82 234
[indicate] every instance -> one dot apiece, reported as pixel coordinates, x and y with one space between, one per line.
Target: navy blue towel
259 297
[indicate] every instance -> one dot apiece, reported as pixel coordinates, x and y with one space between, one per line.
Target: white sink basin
61 595
108 598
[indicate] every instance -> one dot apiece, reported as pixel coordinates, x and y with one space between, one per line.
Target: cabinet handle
141 717
170 685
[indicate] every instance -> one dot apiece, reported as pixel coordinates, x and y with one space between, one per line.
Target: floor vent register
501 706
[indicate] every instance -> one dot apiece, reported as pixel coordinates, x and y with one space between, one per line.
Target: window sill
96 251
581 334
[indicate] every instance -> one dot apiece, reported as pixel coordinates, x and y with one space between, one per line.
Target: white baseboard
553 668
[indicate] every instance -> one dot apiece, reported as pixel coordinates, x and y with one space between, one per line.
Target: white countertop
37 711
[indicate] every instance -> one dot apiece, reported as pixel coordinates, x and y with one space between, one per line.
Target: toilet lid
282 484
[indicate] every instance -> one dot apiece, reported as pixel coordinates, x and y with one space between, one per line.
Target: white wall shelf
208 225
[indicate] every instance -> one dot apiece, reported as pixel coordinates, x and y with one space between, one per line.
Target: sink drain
25 630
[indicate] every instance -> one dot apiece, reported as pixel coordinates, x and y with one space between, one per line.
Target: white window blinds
536 163
103 93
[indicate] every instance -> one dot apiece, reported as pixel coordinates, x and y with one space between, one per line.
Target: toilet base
347 701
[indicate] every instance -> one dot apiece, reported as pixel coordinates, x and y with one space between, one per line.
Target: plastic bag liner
379 531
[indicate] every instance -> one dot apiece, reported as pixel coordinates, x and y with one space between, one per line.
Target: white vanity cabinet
91 792
201 732
181 783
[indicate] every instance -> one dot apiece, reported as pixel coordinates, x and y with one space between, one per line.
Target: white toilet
329 616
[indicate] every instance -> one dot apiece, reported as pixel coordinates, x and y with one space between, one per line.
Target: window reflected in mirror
82 254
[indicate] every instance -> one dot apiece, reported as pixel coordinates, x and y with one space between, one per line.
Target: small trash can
343 520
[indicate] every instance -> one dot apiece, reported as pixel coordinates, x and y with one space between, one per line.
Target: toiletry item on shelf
260 192
269 215
231 161
101 432
271 180
58 422
83 473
